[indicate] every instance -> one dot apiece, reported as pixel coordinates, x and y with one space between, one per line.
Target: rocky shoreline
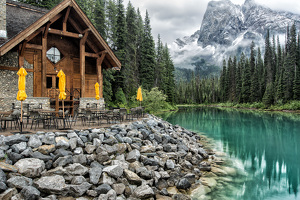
146 159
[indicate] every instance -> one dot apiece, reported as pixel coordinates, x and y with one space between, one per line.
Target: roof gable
77 19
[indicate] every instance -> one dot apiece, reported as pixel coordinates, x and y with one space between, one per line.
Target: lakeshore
146 159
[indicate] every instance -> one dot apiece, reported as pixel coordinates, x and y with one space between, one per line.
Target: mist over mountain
227 30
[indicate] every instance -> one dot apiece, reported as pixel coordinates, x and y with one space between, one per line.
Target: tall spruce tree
131 71
100 18
147 56
169 73
246 83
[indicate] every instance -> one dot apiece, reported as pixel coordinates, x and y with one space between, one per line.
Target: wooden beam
66 18
75 25
102 58
83 40
35 66
99 77
45 35
35 34
21 53
44 66
14 68
55 18
93 55
20 57
82 68
77 28
34 46
65 33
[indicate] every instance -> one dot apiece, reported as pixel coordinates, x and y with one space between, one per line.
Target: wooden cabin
46 41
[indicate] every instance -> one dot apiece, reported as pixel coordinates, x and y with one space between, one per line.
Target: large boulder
52 185
115 171
143 192
30 167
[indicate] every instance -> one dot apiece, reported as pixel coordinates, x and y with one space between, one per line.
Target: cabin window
54 55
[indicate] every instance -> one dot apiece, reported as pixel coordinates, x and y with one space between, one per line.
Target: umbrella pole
63 108
21 120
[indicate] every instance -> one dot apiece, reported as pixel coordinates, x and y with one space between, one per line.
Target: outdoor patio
52 121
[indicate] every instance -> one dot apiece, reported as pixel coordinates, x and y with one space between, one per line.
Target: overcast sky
177 18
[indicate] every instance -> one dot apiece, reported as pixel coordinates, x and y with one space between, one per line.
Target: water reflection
266 143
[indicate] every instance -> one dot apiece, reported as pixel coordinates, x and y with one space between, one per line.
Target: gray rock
77 169
15 139
79 190
2 176
106 179
19 182
52 185
19 148
7 194
63 161
152 123
78 151
72 135
62 142
27 152
90 148
132 177
73 143
14 157
119 188
161 184
183 184
102 157
95 173
111 195
34 141
40 156
77 180
170 164
81 158
127 140
103 189
114 171
143 192
49 138
30 193
30 167
133 155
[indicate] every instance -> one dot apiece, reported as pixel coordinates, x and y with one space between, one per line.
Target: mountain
227 30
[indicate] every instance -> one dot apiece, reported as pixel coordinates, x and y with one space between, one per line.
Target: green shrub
120 98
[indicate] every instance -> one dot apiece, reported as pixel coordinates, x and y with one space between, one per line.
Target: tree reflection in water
267 144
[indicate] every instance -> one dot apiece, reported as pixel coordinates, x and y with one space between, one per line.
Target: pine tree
169 80
111 26
131 70
223 82
99 18
246 83
147 56
260 75
120 46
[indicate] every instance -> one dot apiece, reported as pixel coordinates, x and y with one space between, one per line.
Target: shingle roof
19 16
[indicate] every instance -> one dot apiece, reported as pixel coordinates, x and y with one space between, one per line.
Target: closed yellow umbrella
62 85
139 96
62 88
21 96
97 91
22 81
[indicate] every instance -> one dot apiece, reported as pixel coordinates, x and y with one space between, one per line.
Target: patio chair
123 113
36 119
13 118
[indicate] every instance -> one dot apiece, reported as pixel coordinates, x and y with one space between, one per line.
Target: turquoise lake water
263 147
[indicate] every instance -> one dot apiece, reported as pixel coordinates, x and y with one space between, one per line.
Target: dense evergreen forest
129 36
273 79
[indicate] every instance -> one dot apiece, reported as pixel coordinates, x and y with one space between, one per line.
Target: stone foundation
92 101
34 102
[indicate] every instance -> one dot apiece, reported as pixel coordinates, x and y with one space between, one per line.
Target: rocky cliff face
228 29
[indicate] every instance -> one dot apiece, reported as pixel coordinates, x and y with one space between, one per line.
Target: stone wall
3 33
9 79
34 102
91 101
